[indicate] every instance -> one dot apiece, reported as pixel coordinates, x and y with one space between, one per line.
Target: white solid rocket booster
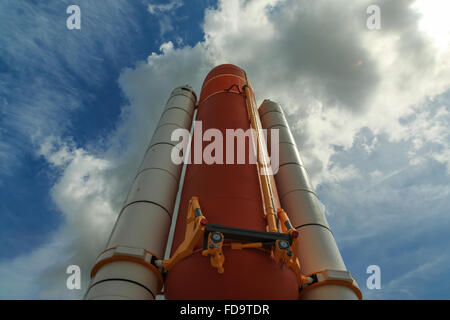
317 250
126 270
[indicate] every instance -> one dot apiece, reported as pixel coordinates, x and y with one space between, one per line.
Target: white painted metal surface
142 228
317 248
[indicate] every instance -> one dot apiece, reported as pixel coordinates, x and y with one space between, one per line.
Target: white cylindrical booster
317 249
126 270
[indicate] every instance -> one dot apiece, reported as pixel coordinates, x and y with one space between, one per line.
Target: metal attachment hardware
331 277
282 244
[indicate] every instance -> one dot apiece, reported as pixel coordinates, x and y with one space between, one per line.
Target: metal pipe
126 269
317 249
261 165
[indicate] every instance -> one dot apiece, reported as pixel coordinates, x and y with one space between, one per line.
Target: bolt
283 244
216 237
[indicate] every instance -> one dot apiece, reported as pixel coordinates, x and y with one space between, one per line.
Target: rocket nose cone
223 78
224 69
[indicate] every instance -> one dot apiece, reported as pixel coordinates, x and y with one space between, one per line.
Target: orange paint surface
229 194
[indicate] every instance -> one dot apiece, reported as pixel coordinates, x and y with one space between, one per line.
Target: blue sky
39 62
369 111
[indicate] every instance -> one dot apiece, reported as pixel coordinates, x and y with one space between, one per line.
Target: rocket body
124 270
223 172
229 194
317 248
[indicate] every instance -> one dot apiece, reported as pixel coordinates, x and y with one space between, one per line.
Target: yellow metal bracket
214 250
283 247
331 277
195 228
288 256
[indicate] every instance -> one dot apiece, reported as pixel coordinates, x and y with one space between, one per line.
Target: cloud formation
165 13
342 86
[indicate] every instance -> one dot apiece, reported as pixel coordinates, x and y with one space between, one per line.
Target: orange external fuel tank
230 195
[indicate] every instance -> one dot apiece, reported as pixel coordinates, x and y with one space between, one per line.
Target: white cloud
338 174
428 131
302 54
164 13
86 196
159 8
43 59
299 53
435 21
415 279
91 188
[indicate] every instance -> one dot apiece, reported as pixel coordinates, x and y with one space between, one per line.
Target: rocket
244 229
